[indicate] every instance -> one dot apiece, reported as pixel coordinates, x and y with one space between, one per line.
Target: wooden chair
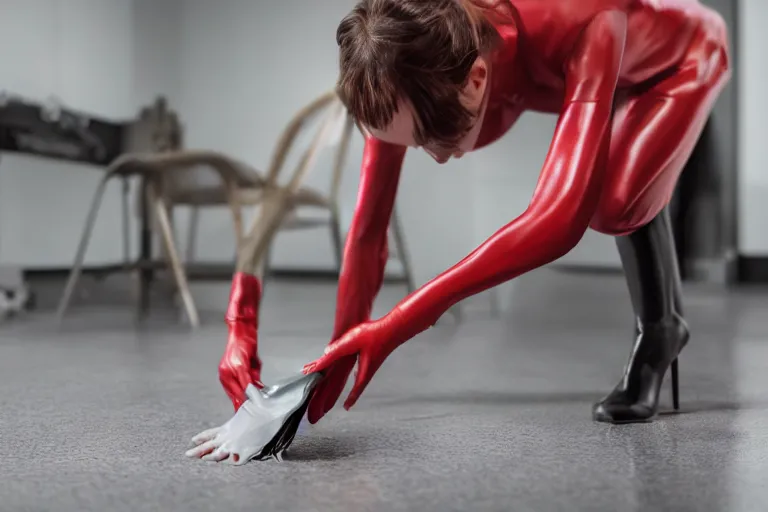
327 109
169 178
303 207
156 158
152 169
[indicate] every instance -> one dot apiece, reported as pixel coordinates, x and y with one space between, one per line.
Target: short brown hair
418 50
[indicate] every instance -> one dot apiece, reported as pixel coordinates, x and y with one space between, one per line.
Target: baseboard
749 270
753 269
715 271
200 272
587 269
62 272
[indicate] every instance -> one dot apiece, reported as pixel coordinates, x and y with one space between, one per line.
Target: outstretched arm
554 222
364 262
565 196
365 250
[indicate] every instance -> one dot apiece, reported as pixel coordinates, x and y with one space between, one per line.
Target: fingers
365 371
209 452
347 345
202 449
320 396
343 369
316 403
207 435
328 391
332 355
216 456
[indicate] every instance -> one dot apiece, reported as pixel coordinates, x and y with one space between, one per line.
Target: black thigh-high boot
653 277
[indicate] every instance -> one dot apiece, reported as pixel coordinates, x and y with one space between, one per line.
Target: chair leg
194 219
257 244
126 222
338 242
266 268
77 266
145 263
164 223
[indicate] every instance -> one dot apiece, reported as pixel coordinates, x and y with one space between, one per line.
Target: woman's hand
240 365
371 342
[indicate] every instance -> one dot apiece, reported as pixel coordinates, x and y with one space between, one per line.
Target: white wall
156 51
245 71
82 52
247 68
504 177
237 71
753 144
104 57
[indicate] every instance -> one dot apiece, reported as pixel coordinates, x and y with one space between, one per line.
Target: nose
441 159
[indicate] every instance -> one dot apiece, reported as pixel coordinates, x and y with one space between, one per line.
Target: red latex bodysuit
633 82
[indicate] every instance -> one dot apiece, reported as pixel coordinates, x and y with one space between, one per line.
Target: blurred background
236 72
83 83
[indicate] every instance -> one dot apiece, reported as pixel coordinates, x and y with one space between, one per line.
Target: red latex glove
329 389
370 343
365 257
240 365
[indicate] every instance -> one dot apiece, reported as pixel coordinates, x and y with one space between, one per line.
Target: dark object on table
53 131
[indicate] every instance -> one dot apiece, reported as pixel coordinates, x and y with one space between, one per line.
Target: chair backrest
325 120
330 126
158 129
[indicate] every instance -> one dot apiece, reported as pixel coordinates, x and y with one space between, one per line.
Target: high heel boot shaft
651 269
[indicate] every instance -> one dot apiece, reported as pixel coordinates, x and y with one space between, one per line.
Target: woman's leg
653 136
651 269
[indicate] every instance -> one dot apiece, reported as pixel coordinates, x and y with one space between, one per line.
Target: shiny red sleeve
565 196
365 251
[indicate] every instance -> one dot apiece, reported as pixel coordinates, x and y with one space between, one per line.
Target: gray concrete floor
488 415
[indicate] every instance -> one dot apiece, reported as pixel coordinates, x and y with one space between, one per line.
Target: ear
474 90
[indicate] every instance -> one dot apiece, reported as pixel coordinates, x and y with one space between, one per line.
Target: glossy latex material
633 82
240 365
365 256
264 427
650 265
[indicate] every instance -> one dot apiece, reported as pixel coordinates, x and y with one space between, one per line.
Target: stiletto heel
675 386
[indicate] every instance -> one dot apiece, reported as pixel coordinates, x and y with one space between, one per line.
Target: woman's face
401 131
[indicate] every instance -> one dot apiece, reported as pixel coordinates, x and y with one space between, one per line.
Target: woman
632 81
